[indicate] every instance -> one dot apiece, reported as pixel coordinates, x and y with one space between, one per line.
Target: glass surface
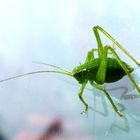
46 106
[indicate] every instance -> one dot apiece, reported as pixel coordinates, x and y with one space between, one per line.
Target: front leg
81 98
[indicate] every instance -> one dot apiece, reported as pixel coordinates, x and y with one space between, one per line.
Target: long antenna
36 72
54 66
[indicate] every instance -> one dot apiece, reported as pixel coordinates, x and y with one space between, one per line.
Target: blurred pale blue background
60 32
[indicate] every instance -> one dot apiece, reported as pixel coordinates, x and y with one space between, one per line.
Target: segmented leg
81 98
108 96
101 73
90 55
100 46
124 68
96 28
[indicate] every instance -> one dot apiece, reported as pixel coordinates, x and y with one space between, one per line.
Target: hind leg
124 68
96 28
108 96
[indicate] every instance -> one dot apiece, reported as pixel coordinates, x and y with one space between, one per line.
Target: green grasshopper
97 71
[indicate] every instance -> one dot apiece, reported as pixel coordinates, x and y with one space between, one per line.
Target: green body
88 71
97 71
103 69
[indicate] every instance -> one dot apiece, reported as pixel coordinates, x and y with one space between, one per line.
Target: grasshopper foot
120 113
85 110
